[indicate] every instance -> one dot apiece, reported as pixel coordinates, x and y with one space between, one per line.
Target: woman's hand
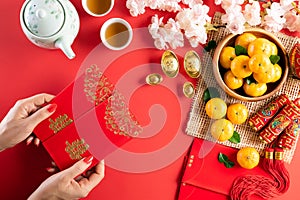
68 184
20 121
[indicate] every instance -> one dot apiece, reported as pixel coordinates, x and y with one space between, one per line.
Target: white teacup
97 8
116 34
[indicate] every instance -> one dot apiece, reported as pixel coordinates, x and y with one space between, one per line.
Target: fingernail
50 169
36 142
102 161
88 159
29 140
52 108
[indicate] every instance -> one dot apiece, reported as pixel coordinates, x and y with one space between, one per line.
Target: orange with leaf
245 39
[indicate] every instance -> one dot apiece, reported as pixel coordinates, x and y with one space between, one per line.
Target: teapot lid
44 18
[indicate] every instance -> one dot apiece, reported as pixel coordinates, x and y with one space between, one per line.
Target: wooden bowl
219 71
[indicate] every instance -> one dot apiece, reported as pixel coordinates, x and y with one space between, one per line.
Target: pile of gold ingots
170 67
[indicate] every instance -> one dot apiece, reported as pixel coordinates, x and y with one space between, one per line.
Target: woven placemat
199 123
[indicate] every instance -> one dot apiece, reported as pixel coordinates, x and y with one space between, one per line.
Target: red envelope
91 119
203 172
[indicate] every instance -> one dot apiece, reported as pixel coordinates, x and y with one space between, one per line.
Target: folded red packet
203 172
91 118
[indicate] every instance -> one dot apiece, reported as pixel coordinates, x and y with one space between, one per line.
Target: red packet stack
91 118
204 177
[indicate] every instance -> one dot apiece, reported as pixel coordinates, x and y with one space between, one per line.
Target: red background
26 70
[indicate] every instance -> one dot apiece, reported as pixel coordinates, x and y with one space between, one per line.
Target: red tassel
246 186
267 162
282 175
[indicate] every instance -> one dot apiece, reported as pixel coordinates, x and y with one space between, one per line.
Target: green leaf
239 50
224 159
210 45
229 164
274 59
250 80
209 93
235 138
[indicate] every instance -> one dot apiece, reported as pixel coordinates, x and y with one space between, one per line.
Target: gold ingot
192 64
170 64
188 89
154 79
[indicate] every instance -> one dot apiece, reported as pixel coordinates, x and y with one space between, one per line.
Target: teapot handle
65 46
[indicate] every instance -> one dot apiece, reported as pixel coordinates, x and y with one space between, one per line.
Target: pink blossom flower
153 4
192 21
174 35
286 4
156 24
236 26
165 34
196 34
225 4
136 7
252 14
292 21
164 5
191 3
274 20
170 6
218 2
275 10
234 19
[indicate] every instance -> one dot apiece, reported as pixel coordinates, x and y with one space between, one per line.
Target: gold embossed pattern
76 149
118 117
60 123
97 87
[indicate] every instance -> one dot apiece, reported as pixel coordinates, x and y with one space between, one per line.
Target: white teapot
50 24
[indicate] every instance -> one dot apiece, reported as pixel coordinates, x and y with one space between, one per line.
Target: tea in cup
97 8
116 34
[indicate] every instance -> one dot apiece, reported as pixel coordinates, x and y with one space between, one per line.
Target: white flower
155 25
234 19
274 20
292 21
252 14
164 5
160 44
136 7
286 4
191 3
272 25
165 34
174 35
218 2
236 26
200 13
192 21
196 34
275 10
153 4
225 4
